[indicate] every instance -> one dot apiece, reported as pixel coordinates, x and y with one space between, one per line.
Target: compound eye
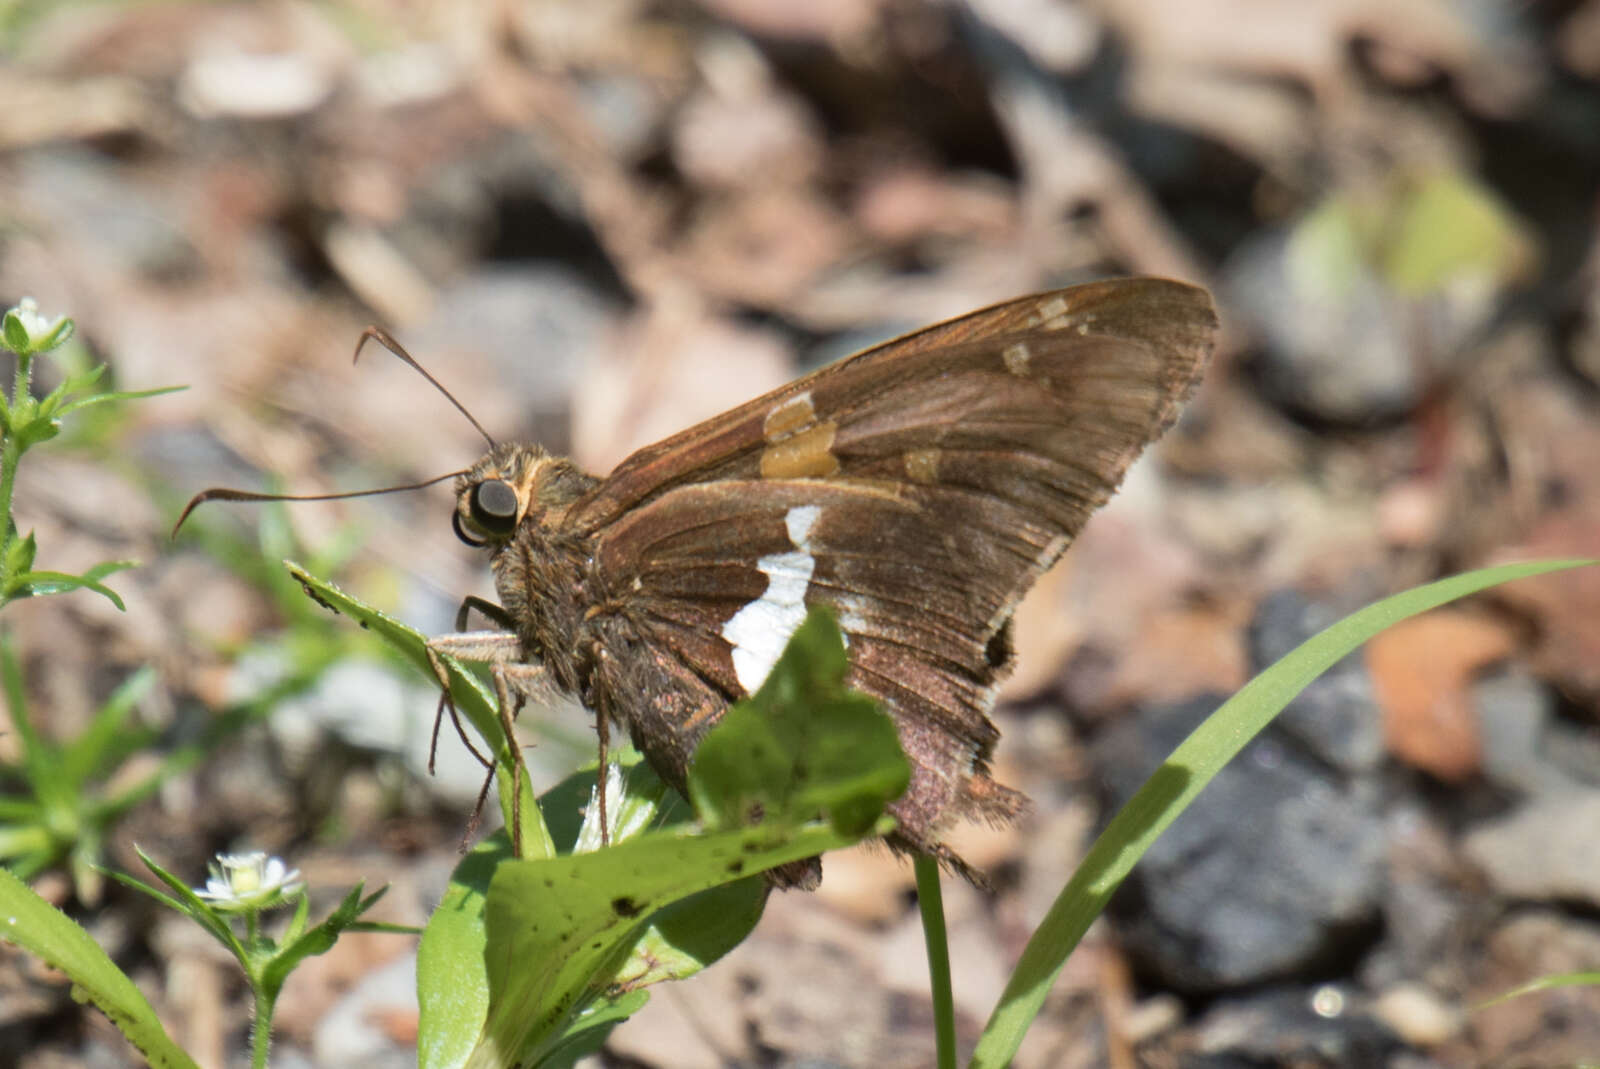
461 532
493 506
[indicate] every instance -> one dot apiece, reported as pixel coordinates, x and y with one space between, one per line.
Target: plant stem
22 382
931 901
261 1031
11 453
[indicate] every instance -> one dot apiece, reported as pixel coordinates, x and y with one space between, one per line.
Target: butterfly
917 488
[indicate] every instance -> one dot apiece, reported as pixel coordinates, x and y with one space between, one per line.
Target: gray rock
348 1034
1275 871
1514 713
1339 353
1548 849
536 323
1336 716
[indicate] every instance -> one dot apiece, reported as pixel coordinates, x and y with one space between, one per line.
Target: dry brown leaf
1422 672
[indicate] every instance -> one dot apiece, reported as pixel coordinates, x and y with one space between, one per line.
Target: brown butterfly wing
1176 323
918 488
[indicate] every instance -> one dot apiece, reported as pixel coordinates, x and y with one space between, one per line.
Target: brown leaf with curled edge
1422 671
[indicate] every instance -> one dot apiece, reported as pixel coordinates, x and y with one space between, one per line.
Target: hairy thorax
542 569
541 578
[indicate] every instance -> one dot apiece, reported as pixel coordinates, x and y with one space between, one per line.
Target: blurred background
600 222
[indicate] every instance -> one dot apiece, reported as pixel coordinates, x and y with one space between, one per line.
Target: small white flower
43 332
250 881
38 326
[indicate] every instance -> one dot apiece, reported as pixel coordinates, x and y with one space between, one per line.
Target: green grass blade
36 926
1544 983
1176 783
930 900
106 741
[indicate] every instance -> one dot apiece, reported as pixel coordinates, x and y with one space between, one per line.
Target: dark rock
1275 871
1336 716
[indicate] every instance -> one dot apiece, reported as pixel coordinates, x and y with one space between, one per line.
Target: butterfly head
512 485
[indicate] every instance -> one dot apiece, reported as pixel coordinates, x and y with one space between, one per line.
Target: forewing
1134 348
918 489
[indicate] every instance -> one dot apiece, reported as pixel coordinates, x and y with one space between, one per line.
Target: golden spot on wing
791 416
1016 357
922 465
808 454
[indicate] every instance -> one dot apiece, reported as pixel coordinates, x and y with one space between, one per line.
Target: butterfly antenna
387 340
220 493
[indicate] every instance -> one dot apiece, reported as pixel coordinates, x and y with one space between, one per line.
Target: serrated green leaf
29 922
803 744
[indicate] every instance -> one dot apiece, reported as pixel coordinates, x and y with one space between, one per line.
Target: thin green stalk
261 1030
10 454
10 451
931 901
22 382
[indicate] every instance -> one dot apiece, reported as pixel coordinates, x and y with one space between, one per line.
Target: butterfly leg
495 614
513 680
512 684
487 609
604 731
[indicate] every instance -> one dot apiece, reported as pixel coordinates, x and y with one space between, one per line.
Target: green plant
55 807
531 960
577 931
240 889
490 881
26 421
